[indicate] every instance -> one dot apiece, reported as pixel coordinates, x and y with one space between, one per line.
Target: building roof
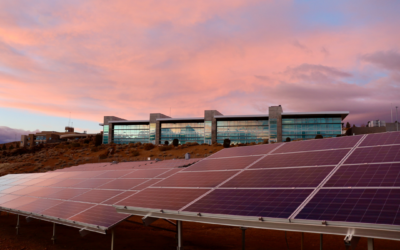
181 119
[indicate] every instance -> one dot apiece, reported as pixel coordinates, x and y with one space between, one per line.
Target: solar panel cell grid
145 173
38 205
20 201
96 196
278 203
381 139
26 190
170 172
7 198
92 183
119 197
223 164
105 216
12 189
67 183
244 151
332 143
65 194
43 192
146 184
289 177
330 157
377 206
114 174
122 184
196 179
370 175
375 154
163 198
66 209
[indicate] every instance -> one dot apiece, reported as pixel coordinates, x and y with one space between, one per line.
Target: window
183 131
242 131
308 128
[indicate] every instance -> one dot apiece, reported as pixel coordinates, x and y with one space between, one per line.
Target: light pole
397 121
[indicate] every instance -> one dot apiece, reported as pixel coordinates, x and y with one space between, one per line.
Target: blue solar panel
376 206
278 203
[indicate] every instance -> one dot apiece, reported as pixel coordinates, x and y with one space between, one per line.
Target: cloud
315 73
389 60
301 46
12 134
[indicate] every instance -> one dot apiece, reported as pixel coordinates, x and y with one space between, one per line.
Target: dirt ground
37 235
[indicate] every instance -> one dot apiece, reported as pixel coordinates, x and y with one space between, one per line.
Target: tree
166 143
348 125
11 147
288 139
98 139
227 143
319 137
175 142
354 126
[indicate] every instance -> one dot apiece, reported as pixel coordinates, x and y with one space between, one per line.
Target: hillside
46 157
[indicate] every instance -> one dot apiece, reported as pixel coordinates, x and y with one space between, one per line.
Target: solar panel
38 205
375 154
67 183
12 189
382 139
119 197
329 157
43 192
26 190
7 198
286 177
65 194
105 216
274 203
96 196
196 179
163 198
309 145
223 164
114 174
66 209
146 184
245 151
370 175
122 184
17 202
377 206
92 183
170 172
145 173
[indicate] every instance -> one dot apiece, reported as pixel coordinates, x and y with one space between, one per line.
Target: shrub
135 153
252 143
319 137
94 149
103 155
166 143
165 148
11 147
288 139
86 141
175 142
138 144
148 146
265 141
227 143
75 144
98 139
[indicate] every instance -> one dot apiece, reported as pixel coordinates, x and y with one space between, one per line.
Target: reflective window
184 132
244 131
153 133
124 134
105 134
308 128
207 131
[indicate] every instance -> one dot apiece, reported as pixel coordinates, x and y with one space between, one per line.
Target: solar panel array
82 196
348 179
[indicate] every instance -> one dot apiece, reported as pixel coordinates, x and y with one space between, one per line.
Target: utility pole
397 121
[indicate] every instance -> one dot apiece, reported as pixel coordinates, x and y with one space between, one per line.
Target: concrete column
153 120
209 115
275 112
370 244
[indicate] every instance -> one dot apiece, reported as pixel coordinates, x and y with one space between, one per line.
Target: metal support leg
112 239
243 237
370 244
302 241
54 234
179 234
17 223
321 241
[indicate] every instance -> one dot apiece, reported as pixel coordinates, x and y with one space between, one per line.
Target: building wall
209 116
275 124
394 126
365 130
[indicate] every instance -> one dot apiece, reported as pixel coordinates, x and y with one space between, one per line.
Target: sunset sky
131 58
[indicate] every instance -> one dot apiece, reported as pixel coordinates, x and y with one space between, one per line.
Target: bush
148 146
288 139
98 139
11 147
95 149
103 155
86 141
265 141
319 137
75 144
175 142
138 144
135 153
166 143
165 148
227 143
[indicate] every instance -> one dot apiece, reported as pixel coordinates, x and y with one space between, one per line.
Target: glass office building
308 128
242 131
183 131
124 134
214 127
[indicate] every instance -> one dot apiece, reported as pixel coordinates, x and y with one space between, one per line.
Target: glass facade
124 134
41 137
207 132
273 123
245 131
308 128
105 134
184 132
153 127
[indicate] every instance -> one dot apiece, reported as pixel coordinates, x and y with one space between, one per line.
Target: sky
87 59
